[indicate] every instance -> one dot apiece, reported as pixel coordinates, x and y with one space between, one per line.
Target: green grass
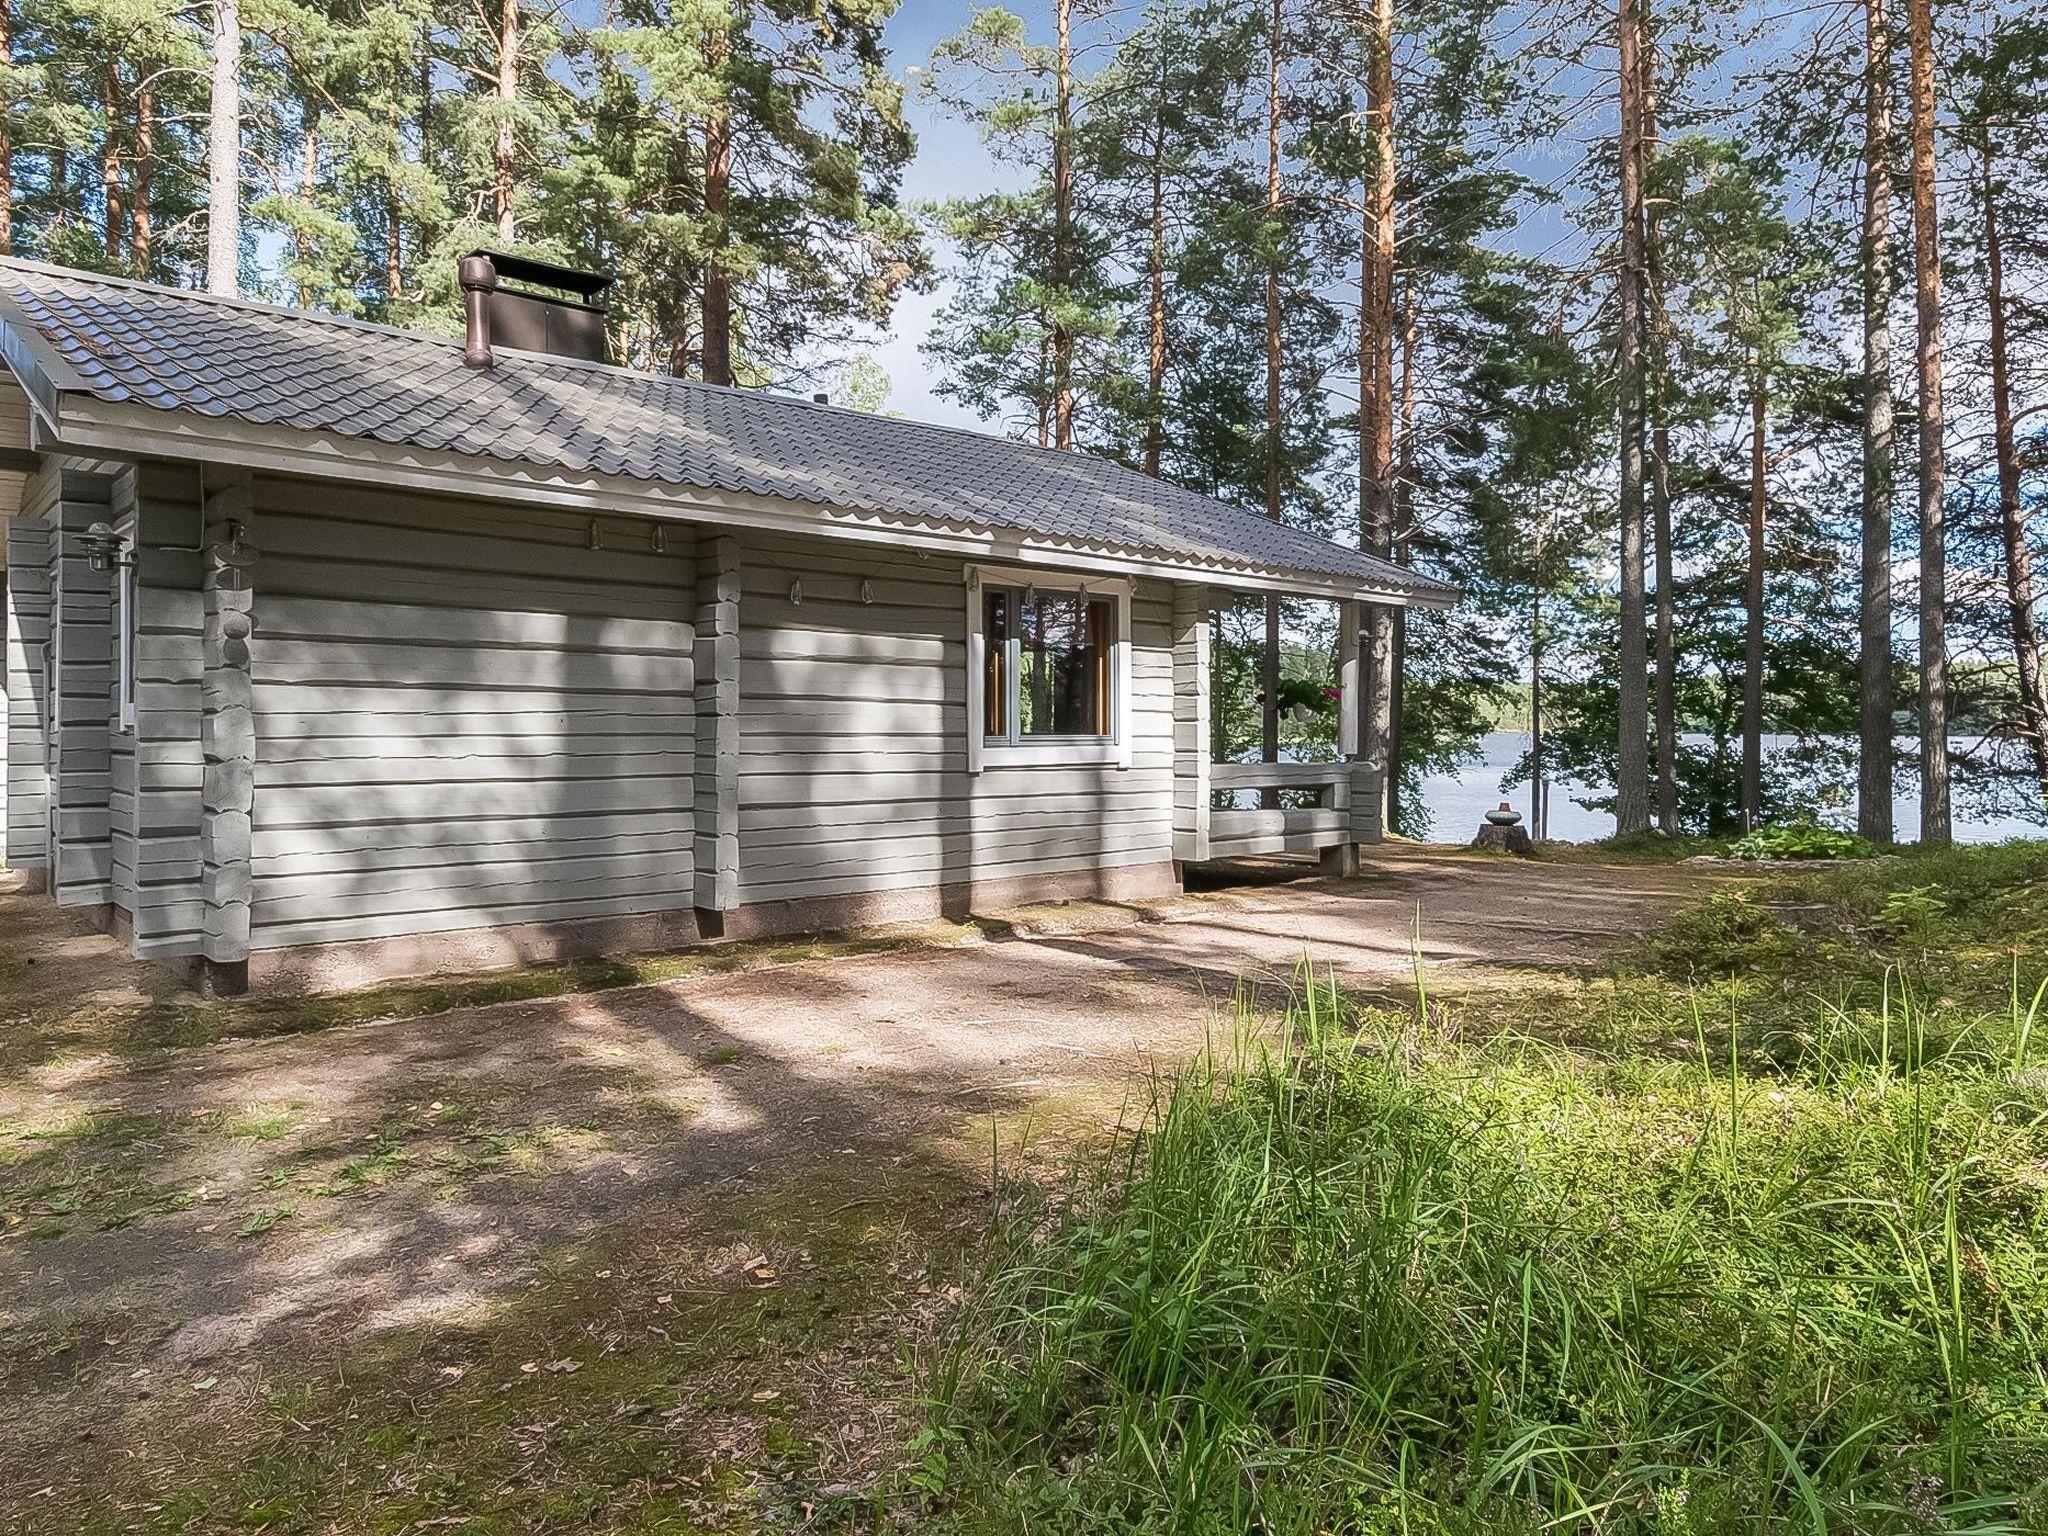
1750 1236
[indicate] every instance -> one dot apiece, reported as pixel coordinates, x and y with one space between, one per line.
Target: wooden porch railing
1346 809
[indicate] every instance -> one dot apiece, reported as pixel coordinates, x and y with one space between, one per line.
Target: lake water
1459 801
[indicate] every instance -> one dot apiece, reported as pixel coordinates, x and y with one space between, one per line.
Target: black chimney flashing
590 287
526 319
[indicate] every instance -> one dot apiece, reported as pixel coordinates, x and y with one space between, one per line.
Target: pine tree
1632 805
1934 767
1874 739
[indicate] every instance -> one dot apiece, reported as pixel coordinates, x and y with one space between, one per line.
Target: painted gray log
717 796
158 768
1368 803
227 727
853 766
1191 749
82 632
466 716
28 631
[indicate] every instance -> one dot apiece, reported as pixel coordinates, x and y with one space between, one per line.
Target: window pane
1063 665
995 677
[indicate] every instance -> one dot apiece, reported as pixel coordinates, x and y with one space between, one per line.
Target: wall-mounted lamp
232 558
796 593
596 535
106 550
867 590
659 540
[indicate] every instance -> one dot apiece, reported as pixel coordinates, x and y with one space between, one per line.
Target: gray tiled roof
127 342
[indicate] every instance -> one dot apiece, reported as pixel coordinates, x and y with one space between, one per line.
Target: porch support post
1370 631
716 799
227 736
1190 723
1343 858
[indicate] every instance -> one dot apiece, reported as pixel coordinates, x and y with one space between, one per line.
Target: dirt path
266 1206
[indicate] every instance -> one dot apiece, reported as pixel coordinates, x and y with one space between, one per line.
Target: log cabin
337 651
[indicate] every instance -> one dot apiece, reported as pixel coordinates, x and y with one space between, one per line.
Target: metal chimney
557 310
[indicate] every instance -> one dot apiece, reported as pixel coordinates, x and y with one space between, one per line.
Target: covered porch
1338 804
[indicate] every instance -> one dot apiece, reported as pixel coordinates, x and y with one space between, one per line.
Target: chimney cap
589 286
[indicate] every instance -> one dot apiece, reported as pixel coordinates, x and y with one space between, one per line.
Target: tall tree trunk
717 324
1155 296
1665 704
114 218
6 134
309 189
2012 515
1753 608
394 230
1934 805
505 144
1269 669
141 211
1538 827
1404 533
1632 800
224 154
1874 604
1063 225
1376 378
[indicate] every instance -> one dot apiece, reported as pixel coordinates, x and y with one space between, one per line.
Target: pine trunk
6 134
1155 297
1063 226
717 321
1269 661
309 190
1376 379
224 154
1753 609
1404 533
1874 606
1632 801
2012 515
114 217
505 144
1538 828
141 211
1665 704
394 233
1934 798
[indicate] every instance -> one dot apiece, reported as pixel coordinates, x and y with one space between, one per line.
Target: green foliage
1801 840
1752 1260
1726 932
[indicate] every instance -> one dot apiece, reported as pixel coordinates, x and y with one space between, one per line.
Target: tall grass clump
1372 1273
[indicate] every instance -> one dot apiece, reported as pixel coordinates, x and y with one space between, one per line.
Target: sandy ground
287 1199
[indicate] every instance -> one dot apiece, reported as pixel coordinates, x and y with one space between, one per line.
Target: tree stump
1498 839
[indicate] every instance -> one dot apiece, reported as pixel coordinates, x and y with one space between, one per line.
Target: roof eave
43 375
140 431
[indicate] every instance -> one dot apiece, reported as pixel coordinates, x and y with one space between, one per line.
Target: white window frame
1111 751
125 623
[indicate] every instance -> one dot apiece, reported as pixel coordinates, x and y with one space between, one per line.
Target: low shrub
1801 840
1721 934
